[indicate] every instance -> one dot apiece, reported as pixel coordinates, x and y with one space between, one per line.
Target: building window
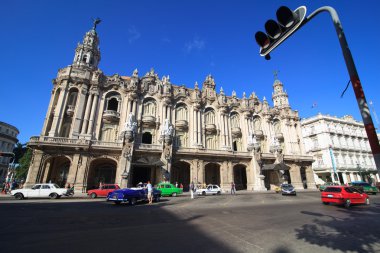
147 138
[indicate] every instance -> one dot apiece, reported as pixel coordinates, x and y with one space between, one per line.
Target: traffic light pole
355 81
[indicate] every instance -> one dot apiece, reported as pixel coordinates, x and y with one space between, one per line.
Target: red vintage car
343 195
103 190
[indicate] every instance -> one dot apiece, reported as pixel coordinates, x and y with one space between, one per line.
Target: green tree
24 162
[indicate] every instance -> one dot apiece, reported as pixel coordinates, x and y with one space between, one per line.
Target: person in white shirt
150 192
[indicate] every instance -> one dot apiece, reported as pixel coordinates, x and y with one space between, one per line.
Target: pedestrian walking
181 185
150 192
233 189
192 187
176 184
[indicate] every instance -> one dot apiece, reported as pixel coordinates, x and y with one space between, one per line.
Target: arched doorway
240 177
180 173
101 171
212 174
58 171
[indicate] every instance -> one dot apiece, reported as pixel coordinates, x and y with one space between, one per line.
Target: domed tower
87 54
279 96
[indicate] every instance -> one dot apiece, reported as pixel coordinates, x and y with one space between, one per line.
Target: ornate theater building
130 129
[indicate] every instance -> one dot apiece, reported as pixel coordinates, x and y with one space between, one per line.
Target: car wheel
204 193
117 202
218 193
157 199
325 203
93 195
367 201
19 196
347 203
132 201
53 195
374 193
174 194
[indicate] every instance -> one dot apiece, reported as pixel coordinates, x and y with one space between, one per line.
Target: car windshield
56 186
333 189
287 186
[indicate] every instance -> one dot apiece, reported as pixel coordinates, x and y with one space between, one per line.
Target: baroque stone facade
130 129
342 142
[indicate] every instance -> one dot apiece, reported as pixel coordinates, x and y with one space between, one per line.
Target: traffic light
288 22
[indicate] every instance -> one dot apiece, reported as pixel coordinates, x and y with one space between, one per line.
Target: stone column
92 115
74 167
226 175
46 170
34 167
310 178
49 112
78 117
80 184
58 113
295 176
199 129
86 114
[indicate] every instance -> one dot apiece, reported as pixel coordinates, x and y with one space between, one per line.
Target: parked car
327 184
168 189
132 195
103 190
52 191
211 189
344 195
364 186
288 189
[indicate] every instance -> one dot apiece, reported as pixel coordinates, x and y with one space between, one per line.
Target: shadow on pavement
350 229
102 227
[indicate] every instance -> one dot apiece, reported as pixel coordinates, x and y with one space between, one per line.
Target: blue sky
187 40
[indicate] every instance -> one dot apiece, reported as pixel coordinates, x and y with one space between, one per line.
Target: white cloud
195 44
134 34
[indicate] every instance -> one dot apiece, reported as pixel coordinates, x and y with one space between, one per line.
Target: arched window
147 138
149 108
113 104
181 112
72 97
277 127
257 123
235 120
209 116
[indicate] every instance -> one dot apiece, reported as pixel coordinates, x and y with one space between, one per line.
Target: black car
288 189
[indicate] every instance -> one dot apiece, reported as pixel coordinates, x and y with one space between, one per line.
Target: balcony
111 116
70 110
236 131
149 120
280 136
259 134
210 128
181 125
72 143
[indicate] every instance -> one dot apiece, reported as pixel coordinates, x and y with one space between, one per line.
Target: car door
34 191
163 190
209 189
169 189
352 194
45 191
103 190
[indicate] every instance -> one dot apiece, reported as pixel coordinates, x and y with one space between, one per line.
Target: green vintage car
365 187
168 189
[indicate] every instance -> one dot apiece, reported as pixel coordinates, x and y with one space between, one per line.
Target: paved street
266 222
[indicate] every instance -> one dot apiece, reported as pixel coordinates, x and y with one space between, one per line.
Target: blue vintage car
132 195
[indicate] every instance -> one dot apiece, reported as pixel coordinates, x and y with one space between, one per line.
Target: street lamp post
289 22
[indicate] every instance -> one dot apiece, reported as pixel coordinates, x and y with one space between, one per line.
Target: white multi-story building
8 139
342 142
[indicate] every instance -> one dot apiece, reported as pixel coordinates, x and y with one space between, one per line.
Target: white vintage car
211 189
52 191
